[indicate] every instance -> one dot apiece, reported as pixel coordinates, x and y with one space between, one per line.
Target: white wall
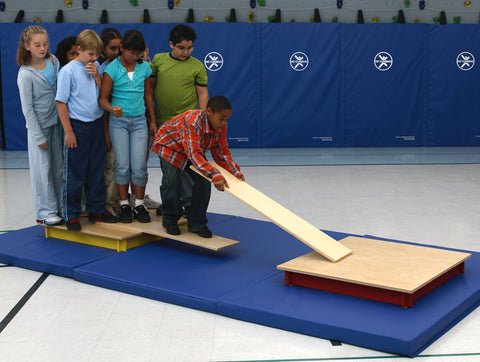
121 11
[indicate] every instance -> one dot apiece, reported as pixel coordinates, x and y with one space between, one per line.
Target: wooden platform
121 237
284 218
380 270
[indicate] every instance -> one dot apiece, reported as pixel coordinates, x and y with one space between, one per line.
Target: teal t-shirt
175 91
128 93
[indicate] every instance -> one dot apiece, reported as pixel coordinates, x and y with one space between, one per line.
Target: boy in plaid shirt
184 141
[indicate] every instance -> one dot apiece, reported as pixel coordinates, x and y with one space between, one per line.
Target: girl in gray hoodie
37 84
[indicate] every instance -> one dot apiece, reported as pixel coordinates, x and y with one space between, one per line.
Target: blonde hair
88 40
23 55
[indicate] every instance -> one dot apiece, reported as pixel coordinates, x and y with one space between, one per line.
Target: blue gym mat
242 282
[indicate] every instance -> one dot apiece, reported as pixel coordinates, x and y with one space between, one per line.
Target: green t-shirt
175 91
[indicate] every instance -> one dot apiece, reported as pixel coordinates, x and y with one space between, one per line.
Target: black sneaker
203 232
73 225
107 217
125 214
186 211
140 213
172 229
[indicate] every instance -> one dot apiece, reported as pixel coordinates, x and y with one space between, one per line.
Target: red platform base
403 299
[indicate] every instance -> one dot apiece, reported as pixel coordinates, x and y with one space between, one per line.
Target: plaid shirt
188 136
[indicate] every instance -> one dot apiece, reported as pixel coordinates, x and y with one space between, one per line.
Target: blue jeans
129 137
170 191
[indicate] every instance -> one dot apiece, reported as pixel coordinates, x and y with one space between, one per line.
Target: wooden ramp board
284 218
121 237
155 227
391 272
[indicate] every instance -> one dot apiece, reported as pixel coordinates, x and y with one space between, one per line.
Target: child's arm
105 90
70 139
149 105
202 96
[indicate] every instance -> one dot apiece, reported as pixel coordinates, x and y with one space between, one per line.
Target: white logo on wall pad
465 61
383 61
213 61
299 61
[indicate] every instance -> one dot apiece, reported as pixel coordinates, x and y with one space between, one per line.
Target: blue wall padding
300 108
384 108
339 100
453 107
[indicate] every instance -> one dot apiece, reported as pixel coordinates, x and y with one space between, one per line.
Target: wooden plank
155 227
382 264
284 218
126 231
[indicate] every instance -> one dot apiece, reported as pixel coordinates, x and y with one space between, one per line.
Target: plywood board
155 227
124 231
284 218
382 264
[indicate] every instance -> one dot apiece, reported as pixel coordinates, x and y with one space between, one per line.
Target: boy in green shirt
179 84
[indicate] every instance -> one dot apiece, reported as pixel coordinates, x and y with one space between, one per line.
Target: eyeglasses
183 49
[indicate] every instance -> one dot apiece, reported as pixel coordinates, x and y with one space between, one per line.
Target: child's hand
91 69
117 111
153 128
43 146
221 184
70 140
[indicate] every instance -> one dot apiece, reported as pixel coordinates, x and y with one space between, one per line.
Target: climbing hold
406 3
334 19
68 3
208 19
251 17
416 20
261 2
360 17
146 17
134 2
467 4
394 19
104 17
376 20
59 17
436 20
456 19
170 4
37 20
339 4
421 4
85 4
2 5
177 2
190 16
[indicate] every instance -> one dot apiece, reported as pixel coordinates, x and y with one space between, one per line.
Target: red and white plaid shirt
188 136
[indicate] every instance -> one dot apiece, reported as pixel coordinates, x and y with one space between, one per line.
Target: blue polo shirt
128 93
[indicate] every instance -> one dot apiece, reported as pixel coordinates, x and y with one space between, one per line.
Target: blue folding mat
242 282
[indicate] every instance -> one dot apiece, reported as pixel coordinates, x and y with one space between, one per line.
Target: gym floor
424 195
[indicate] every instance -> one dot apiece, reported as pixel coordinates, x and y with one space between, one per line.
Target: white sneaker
151 203
53 220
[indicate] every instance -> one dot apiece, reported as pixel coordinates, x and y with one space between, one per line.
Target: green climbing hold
134 2
407 3
436 20
261 2
271 18
456 19
334 19
395 19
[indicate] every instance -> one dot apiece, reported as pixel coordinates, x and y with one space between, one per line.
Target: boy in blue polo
84 148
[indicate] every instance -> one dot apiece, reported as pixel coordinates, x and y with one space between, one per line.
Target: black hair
133 40
218 104
109 34
63 48
182 32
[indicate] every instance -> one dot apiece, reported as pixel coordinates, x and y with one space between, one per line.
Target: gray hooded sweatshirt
38 100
